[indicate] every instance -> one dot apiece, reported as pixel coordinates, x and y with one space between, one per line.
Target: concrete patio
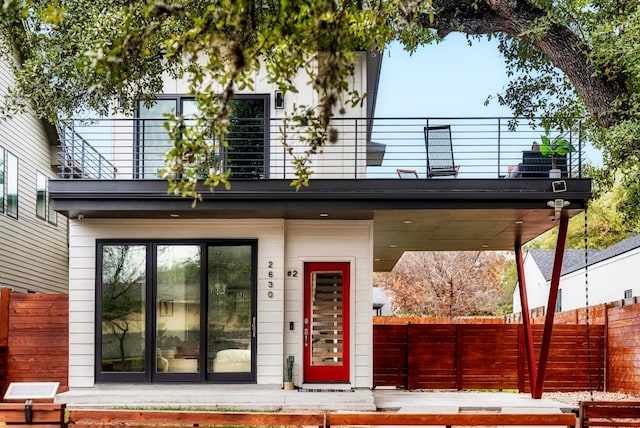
273 398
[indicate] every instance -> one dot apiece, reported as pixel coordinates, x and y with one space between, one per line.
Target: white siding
349 241
332 241
607 281
83 235
335 161
536 286
33 252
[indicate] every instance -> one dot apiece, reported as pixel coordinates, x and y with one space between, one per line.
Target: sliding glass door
201 314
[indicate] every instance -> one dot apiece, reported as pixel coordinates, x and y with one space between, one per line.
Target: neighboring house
611 276
33 246
381 303
226 291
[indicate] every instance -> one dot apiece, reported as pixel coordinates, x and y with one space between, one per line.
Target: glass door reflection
230 309
178 308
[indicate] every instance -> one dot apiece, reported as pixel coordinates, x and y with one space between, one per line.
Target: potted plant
288 373
558 146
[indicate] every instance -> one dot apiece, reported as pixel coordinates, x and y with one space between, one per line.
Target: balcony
367 148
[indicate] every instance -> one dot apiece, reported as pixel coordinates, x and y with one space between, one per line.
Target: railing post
355 154
580 148
499 145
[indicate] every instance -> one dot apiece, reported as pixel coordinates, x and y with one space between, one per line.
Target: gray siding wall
33 252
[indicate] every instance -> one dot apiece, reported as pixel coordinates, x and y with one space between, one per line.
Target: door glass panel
154 138
229 318
123 308
178 308
326 319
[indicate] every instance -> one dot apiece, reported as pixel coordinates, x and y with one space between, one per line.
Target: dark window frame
3 168
10 180
41 195
558 307
138 161
628 293
151 312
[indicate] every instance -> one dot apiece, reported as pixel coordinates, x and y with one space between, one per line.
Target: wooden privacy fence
133 418
484 356
34 338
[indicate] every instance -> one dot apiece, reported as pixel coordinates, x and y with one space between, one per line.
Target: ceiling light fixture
324 214
407 221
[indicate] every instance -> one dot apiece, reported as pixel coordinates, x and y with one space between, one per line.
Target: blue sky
441 80
449 79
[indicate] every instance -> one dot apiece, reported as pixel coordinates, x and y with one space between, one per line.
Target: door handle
253 326
306 336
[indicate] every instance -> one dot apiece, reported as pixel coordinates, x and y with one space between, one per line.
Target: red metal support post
526 319
551 305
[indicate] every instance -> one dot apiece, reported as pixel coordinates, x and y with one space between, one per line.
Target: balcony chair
407 173
439 151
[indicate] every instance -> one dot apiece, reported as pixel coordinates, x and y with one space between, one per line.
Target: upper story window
52 216
628 293
44 207
11 180
558 307
248 136
41 196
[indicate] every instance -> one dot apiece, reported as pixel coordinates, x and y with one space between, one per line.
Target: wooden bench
148 418
609 414
37 415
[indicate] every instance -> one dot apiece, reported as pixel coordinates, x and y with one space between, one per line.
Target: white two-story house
226 291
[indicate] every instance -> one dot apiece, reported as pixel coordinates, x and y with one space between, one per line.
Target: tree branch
563 47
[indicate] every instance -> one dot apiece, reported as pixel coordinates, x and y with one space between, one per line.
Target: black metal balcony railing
367 148
77 158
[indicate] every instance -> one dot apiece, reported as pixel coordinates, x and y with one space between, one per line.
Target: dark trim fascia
272 198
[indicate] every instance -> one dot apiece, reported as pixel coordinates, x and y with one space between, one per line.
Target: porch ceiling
408 215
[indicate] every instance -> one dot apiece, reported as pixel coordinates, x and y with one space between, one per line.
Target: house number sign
270 275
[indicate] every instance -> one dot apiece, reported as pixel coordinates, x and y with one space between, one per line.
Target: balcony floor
409 215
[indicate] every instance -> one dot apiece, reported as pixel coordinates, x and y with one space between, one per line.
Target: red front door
326 322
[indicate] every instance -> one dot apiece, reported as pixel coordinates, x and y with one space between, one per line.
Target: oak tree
448 284
566 59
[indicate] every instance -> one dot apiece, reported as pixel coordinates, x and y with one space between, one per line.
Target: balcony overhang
408 215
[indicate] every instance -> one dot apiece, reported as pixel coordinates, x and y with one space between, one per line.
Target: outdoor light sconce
557 205
279 100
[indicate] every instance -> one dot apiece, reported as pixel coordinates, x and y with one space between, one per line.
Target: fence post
459 354
5 294
410 380
4 316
